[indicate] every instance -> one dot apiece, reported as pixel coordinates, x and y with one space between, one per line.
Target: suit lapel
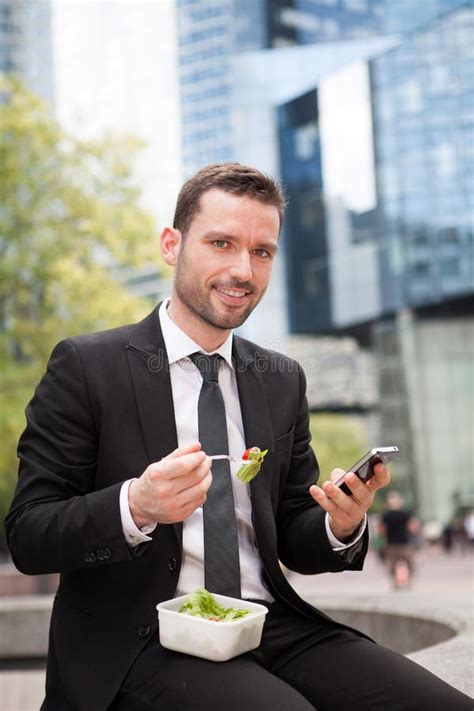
258 428
149 368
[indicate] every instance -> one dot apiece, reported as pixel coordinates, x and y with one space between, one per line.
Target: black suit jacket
102 412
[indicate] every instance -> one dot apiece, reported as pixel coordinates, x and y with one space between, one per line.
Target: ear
170 243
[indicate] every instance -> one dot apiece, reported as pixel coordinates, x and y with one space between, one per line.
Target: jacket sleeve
303 544
57 520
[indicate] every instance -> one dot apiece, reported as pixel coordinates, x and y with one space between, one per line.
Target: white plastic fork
230 459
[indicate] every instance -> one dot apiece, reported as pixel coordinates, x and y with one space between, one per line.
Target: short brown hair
231 178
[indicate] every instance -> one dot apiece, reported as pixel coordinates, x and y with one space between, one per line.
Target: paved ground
440 578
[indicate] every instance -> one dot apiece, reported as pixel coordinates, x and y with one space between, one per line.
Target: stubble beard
198 302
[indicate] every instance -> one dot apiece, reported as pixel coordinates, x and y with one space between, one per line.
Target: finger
320 496
195 495
192 478
380 479
179 466
343 501
360 491
185 449
335 513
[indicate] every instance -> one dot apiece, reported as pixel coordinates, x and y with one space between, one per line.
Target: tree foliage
339 440
70 218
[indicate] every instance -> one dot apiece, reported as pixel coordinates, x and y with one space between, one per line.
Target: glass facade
205 42
212 32
396 256
393 177
308 21
423 108
304 237
427 408
423 101
9 37
25 44
407 15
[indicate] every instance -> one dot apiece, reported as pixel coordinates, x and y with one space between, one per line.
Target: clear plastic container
218 641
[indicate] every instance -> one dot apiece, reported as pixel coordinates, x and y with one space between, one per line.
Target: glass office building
212 32
205 47
378 159
327 166
409 15
423 101
388 160
25 44
293 22
304 239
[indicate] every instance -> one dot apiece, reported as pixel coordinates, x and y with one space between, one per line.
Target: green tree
339 440
69 218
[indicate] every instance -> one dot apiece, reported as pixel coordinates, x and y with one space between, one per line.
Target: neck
205 335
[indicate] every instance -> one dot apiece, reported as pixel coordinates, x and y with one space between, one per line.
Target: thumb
337 473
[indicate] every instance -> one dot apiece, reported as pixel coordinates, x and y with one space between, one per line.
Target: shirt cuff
337 545
133 535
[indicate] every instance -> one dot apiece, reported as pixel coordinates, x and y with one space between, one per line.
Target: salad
203 604
255 458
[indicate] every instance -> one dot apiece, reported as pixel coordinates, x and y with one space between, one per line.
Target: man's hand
170 490
346 512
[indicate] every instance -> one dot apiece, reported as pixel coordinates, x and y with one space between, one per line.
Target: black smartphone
364 468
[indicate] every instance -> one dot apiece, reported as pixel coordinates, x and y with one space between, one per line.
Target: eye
262 253
220 243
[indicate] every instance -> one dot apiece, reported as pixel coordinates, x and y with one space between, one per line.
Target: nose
241 267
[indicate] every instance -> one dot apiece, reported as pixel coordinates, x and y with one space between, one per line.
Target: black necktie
221 547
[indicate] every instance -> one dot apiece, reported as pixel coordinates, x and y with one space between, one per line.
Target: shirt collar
179 345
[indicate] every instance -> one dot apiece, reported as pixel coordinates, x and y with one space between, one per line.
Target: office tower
381 245
423 100
296 22
238 62
25 44
424 137
205 42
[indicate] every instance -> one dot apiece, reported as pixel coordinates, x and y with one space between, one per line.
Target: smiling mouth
233 295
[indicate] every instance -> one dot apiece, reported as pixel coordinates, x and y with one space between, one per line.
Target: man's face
225 260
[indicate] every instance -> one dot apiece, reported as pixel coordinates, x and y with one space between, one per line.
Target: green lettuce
250 469
203 604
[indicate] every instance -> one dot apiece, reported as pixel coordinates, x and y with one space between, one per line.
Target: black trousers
300 665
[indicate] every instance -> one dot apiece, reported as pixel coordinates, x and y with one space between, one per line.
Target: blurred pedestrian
469 528
448 537
399 528
432 534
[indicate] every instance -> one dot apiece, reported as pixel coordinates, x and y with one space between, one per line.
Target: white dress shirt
186 382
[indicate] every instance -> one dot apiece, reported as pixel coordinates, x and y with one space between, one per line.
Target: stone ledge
12 582
24 625
440 640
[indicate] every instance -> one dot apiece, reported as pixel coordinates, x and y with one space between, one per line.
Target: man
117 493
398 527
